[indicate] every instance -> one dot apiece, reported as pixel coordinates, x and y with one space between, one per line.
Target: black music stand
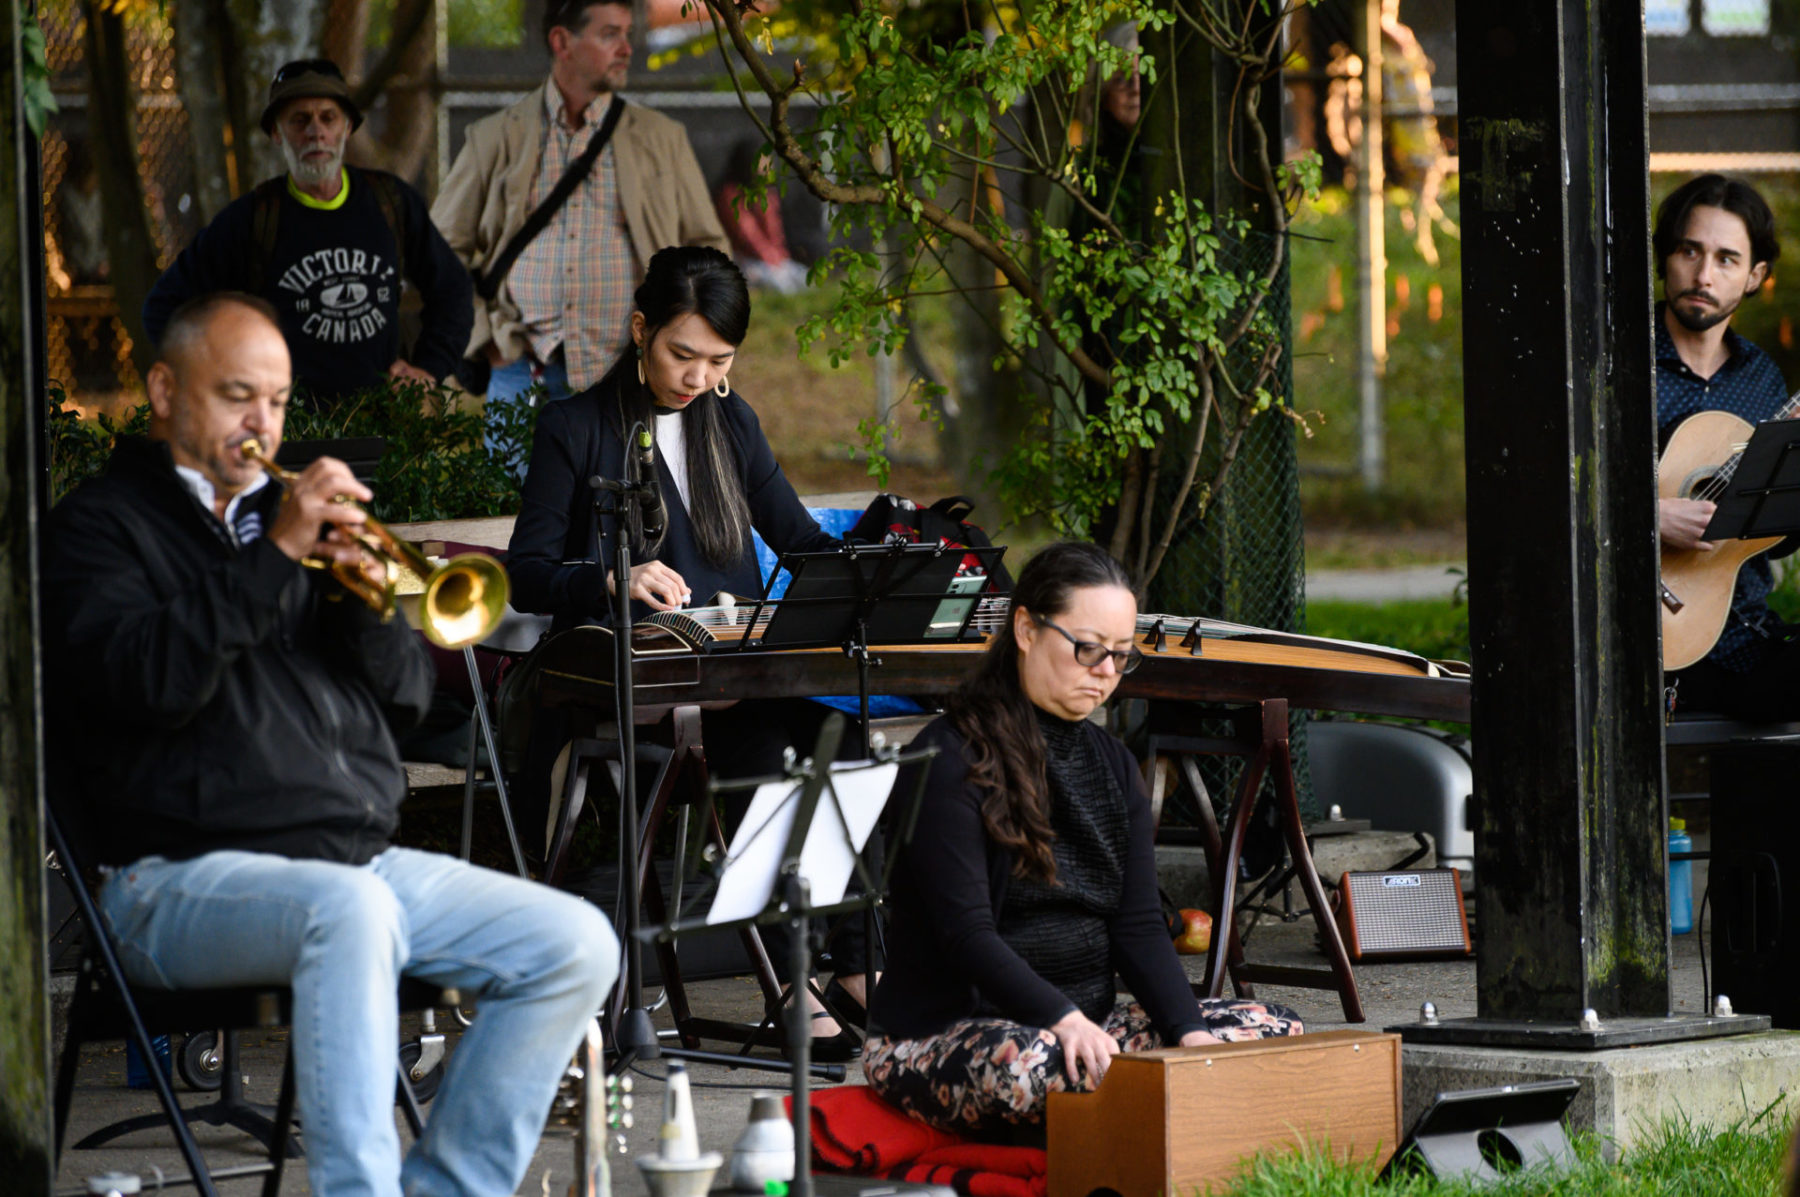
1763 499
776 887
860 595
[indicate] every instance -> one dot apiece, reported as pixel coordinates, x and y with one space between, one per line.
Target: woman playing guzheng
1030 881
718 479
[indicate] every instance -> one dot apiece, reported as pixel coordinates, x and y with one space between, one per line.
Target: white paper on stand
826 860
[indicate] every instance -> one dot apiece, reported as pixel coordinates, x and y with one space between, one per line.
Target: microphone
656 513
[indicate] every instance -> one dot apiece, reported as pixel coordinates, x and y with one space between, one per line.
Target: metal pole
1371 257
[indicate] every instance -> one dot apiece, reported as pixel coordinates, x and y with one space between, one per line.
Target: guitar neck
1787 411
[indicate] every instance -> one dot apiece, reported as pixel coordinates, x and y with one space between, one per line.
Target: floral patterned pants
986 1076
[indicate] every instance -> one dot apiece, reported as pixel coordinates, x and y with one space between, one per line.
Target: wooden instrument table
1185 661
1177 1120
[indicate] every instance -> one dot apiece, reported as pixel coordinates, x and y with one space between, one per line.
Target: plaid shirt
574 282
1750 387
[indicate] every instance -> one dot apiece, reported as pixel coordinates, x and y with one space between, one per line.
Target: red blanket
855 1131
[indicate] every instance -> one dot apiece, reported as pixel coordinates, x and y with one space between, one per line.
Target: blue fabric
1750 387
837 521
506 389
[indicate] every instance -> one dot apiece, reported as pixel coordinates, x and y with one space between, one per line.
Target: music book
1763 495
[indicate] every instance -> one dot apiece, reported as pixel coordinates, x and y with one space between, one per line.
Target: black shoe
840 1048
848 1010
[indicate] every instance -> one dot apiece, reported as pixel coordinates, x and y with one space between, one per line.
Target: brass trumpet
462 600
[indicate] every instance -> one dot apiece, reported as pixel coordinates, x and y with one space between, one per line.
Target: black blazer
561 551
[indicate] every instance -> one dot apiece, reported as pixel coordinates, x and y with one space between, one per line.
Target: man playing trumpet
227 723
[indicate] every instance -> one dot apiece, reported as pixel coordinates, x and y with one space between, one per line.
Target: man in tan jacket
560 316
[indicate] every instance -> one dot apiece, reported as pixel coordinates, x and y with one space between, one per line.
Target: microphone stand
634 1037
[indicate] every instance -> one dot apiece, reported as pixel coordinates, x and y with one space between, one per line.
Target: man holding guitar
1714 243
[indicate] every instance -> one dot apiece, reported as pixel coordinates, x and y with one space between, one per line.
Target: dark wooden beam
25 1152
1560 431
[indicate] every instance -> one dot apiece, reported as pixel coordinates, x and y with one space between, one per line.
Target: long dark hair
998 724
688 280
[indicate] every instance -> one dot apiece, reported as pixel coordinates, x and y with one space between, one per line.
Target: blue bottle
1681 880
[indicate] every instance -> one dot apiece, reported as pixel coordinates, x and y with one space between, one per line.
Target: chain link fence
89 347
1246 561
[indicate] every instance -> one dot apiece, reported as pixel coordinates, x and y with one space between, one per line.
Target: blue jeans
539 960
507 387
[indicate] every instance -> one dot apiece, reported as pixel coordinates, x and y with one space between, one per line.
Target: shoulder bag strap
488 284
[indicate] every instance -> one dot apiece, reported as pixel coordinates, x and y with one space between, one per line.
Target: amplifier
1755 877
1403 914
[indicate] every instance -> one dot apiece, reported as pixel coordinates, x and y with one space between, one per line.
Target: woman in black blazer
718 478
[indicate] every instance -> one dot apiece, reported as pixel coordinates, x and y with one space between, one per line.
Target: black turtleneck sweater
968 939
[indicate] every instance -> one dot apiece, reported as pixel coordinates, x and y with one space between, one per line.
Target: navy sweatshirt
334 280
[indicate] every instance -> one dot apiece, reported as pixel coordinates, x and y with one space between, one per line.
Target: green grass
1680 1159
1433 628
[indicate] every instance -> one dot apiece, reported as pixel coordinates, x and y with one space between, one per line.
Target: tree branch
827 189
409 18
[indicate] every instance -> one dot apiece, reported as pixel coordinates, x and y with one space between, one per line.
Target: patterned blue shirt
1750 387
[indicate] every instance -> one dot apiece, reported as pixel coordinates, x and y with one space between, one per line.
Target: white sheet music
826 860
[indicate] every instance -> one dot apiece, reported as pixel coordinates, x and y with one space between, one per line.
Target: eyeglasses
308 66
1089 653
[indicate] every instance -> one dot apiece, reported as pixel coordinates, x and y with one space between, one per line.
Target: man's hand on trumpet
315 521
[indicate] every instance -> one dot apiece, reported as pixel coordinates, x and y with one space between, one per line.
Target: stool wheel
424 1087
201 1062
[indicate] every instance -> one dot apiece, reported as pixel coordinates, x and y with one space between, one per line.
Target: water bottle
1681 880
137 1076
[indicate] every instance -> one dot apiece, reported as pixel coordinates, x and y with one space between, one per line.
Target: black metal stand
790 902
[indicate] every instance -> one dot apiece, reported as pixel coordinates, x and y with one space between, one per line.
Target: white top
671 439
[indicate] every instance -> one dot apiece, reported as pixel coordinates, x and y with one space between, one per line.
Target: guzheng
711 655
1186 1119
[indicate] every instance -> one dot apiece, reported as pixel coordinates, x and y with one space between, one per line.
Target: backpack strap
265 226
386 189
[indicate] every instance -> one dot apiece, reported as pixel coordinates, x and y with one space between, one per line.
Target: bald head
222 376
187 326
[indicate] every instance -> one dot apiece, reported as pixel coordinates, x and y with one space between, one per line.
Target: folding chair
106 1006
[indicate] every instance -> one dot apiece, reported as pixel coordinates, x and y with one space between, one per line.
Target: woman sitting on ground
1030 880
718 479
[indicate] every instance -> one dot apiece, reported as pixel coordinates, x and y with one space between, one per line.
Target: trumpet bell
464 600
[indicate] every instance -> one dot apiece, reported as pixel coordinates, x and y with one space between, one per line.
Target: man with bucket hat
329 246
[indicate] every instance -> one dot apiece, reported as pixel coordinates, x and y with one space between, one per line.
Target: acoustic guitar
1701 457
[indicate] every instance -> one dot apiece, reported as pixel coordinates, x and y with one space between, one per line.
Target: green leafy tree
1150 355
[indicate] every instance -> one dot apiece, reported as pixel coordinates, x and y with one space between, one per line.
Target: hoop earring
640 365
723 388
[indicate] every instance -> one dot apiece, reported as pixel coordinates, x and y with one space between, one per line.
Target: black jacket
207 697
561 553
945 953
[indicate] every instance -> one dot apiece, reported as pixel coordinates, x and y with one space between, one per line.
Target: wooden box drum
1179 1119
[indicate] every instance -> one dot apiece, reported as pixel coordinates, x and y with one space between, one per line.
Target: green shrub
437 464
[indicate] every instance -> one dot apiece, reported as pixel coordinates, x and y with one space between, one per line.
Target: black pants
1769 693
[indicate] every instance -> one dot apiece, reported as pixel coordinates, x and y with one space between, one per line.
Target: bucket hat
307 79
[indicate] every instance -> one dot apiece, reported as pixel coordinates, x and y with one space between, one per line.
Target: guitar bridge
1668 598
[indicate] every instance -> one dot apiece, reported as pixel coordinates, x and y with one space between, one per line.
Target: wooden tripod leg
1227 950
685 759
575 783
1287 809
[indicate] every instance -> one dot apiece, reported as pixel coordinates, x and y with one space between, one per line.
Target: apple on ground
1196 933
